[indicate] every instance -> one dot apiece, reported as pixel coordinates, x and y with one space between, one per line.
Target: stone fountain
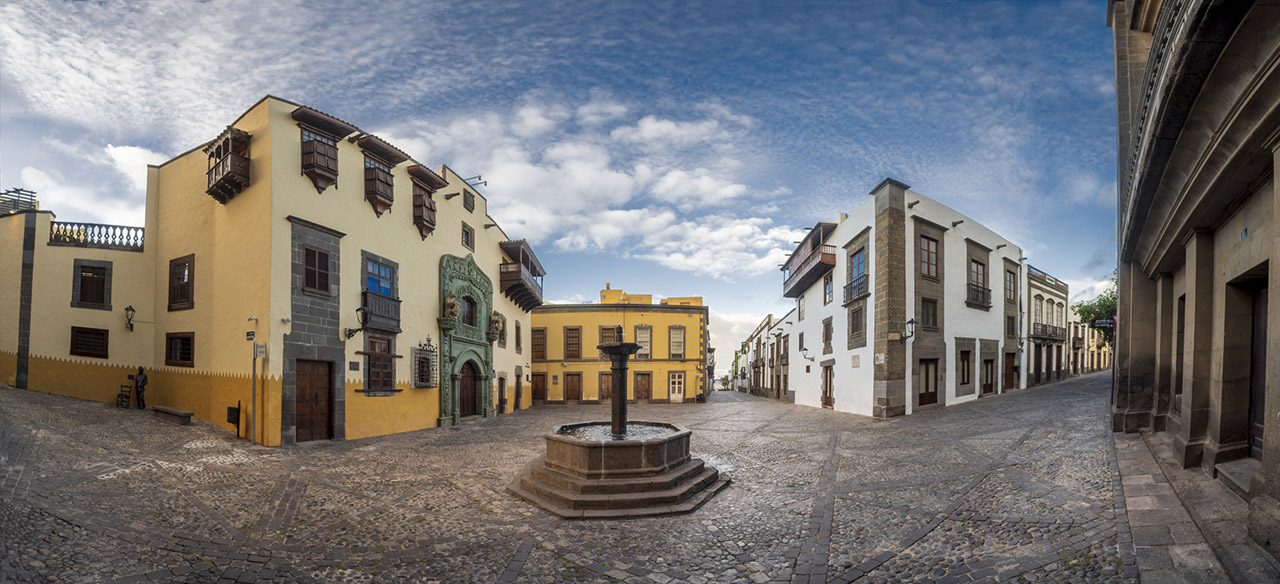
609 470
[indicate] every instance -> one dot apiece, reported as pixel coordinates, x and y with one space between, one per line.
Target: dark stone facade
316 330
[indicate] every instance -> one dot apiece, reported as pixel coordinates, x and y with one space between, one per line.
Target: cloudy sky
675 148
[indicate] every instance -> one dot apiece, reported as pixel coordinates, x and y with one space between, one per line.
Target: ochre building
382 295
671 365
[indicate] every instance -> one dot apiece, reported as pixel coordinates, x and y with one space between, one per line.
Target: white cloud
727 332
600 111
55 193
132 161
658 132
688 190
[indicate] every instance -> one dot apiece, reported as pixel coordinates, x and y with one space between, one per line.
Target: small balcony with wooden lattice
228 172
521 276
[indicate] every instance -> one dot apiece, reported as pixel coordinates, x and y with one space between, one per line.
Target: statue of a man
452 308
139 387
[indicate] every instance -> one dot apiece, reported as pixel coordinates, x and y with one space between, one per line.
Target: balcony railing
383 312
783 359
1048 331
808 269
520 285
119 237
227 177
978 295
859 287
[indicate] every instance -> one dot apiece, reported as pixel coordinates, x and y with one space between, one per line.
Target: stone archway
465 341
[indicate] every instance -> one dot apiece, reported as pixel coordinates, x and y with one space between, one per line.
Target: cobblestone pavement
1018 487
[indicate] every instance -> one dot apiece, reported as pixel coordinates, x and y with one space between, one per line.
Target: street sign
248 336
1102 323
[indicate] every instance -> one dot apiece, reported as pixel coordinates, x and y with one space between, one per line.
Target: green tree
1102 307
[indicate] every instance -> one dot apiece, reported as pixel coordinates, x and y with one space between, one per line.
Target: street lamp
362 317
910 330
128 316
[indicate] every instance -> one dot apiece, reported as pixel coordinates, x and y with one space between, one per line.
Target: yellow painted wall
11 235
590 317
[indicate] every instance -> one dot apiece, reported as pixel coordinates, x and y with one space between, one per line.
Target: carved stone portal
461 342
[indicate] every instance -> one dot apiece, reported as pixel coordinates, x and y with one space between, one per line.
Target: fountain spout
619 352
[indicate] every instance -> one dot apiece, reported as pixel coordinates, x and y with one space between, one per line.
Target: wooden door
928 382
1258 375
467 390
312 401
606 385
988 376
502 395
675 387
539 381
828 389
519 389
1010 378
643 388
573 387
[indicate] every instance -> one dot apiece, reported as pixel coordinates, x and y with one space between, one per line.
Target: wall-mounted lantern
910 330
362 317
128 316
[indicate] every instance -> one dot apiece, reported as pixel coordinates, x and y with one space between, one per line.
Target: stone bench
172 414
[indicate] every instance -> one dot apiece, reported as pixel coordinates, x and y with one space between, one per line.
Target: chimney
606 286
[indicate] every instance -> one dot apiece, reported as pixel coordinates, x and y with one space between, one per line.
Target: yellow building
382 295
671 365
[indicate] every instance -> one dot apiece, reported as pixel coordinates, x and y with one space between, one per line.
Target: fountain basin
615 478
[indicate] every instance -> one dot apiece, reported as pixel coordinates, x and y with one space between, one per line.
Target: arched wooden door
467 390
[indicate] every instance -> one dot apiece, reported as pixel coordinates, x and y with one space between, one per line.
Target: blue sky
673 148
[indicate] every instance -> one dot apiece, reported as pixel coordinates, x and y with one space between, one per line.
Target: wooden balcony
1048 331
383 312
228 172
859 287
520 284
799 275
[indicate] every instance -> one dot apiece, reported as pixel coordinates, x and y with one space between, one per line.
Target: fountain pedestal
650 473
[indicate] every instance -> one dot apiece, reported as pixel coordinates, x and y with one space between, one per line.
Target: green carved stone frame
459 342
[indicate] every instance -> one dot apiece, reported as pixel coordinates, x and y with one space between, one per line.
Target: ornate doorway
467 390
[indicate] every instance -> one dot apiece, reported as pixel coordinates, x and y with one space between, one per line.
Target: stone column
1197 349
1264 506
1166 331
1135 394
891 268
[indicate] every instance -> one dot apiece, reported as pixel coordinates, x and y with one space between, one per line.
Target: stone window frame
929 257
646 346
187 288
370 355
1010 286
857 337
828 335
671 332
468 201
965 367
828 287
169 338
538 336
578 333
605 333
468 236
77 278
933 313
1010 326
79 331
800 341
800 307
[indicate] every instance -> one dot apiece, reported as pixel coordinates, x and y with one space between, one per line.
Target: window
424 368
857 322
468 237
800 342
180 349
608 334
378 277
468 200
181 275
519 346
978 273
377 184
1011 326
928 313
1039 310
800 308
468 310
675 336
316 270
1010 286
965 367
928 257
424 209
644 337
89 342
827 333
828 288
538 343
572 342
857 263
379 366
91 285
319 157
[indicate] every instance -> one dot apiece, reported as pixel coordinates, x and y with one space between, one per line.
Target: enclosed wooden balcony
228 172
811 260
383 312
521 277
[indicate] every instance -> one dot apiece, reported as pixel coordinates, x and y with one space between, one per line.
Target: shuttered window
644 338
538 343
89 342
572 343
